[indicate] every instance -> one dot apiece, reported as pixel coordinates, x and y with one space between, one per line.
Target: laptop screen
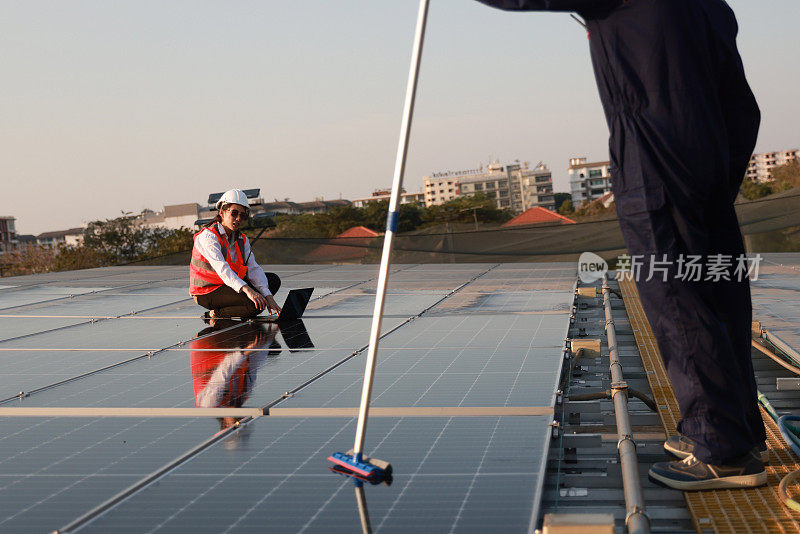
295 304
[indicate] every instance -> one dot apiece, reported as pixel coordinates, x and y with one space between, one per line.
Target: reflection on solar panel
462 345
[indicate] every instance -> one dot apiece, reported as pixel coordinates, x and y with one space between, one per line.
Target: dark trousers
683 124
228 303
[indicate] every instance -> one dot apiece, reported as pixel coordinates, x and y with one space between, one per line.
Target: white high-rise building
514 186
588 181
762 164
441 187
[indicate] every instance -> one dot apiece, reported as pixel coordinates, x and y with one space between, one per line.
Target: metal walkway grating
734 511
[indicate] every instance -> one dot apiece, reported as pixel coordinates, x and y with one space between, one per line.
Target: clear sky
112 106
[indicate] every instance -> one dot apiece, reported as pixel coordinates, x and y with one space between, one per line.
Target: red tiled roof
350 245
538 215
359 231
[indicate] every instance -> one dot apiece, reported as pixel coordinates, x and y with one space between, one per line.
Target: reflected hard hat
234 196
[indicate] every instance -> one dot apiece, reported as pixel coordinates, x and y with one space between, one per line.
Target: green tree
566 207
31 260
466 209
753 190
782 178
786 176
560 198
120 239
71 258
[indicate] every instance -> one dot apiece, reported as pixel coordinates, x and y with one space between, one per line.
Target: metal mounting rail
636 519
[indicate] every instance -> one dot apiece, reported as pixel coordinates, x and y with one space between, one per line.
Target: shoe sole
741 481
682 455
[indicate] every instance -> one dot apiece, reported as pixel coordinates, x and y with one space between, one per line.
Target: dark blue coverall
683 124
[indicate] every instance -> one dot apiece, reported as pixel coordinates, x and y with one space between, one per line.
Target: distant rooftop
181 210
60 233
538 215
249 193
589 164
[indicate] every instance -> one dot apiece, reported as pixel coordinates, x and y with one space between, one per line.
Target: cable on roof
789 425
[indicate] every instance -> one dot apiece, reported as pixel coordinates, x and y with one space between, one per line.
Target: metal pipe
636 519
391 227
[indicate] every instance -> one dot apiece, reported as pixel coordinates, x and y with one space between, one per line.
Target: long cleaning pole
391 228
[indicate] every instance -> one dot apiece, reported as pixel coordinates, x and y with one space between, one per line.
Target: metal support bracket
619 387
637 510
555 428
626 437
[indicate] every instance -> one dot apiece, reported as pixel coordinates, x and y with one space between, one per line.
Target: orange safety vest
203 279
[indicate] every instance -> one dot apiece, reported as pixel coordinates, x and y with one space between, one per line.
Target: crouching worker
224 276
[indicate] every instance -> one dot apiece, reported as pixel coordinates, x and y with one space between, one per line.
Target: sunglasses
236 214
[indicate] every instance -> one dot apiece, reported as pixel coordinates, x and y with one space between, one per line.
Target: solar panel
15 327
99 305
53 468
25 296
407 303
479 331
442 377
113 334
493 344
776 299
474 302
453 474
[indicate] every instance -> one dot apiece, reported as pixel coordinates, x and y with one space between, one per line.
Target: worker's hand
272 305
257 298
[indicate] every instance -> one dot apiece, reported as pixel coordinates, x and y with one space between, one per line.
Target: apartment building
8 236
588 180
71 238
762 164
514 186
441 187
174 217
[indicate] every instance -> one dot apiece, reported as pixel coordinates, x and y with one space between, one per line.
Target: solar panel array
776 296
455 336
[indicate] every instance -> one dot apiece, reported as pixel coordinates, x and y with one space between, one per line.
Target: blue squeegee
354 461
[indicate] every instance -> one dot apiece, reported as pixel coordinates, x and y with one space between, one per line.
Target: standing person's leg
741 118
694 342
734 308
225 302
669 142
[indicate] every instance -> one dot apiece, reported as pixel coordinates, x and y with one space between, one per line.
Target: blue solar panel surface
130 338
776 296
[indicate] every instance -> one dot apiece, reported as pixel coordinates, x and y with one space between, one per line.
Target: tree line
124 239
110 242
411 217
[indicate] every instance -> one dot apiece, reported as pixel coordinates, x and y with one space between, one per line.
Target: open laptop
293 307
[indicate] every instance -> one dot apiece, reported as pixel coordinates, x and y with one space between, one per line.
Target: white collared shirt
208 245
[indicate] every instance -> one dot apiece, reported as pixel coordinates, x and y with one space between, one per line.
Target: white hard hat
234 196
